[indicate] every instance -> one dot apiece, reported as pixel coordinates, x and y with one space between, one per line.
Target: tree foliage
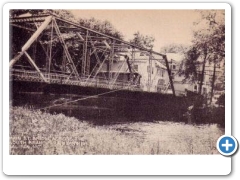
18 12
104 27
58 12
174 48
142 40
208 44
188 67
210 35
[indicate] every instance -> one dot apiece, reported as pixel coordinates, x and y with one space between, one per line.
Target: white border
114 165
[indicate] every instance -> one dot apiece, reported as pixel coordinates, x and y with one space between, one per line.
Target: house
150 75
175 62
180 84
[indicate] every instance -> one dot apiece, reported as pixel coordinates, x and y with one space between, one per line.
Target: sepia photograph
116 82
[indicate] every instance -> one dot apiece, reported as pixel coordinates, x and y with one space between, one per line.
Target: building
145 70
180 84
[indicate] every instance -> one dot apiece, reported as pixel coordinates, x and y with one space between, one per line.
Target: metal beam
45 51
29 19
96 55
100 67
116 75
50 51
23 27
110 37
84 60
87 41
110 61
31 40
35 66
106 44
128 63
87 71
66 49
90 75
80 36
169 75
98 60
37 33
33 19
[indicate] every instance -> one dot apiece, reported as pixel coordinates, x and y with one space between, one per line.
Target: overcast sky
166 26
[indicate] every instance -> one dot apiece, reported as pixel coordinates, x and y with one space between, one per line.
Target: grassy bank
36 132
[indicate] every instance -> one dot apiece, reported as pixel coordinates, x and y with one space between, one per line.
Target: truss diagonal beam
80 36
110 37
84 59
106 44
31 40
94 52
116 76
66 49
96 55
100 67
35 66
50 51
169 75
37 33
110 62
93 70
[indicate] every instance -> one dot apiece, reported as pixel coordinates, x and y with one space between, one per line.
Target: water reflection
97 110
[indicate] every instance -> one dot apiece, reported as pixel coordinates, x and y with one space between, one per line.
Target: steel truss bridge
56 63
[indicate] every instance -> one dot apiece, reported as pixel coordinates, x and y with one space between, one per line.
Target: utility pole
213 81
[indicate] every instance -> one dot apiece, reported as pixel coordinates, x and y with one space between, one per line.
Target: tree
104 27
143 41
189 65
101 26
208 45
18 12
174 48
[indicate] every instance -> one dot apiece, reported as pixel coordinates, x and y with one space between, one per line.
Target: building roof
175 56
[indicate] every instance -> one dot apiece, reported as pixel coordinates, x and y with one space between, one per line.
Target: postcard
117 89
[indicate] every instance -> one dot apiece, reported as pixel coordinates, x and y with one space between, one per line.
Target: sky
166 26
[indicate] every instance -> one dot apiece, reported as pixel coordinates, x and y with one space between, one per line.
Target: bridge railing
57 78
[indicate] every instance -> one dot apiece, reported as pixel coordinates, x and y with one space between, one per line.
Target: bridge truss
45 54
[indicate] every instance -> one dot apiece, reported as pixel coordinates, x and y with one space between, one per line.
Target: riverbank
35 132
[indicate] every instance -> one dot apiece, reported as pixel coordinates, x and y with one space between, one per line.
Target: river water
98 110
